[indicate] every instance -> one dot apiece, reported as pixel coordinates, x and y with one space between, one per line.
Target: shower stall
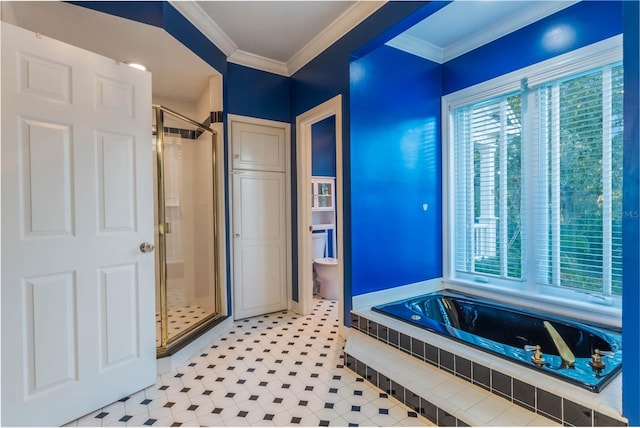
188 293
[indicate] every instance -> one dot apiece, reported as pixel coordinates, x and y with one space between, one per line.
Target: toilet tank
319 244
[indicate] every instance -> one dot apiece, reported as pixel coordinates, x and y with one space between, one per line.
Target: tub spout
568 359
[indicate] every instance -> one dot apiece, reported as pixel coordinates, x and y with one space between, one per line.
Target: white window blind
563 170
488 179
579 126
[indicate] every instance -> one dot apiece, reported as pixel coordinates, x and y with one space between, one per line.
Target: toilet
327 277
325 269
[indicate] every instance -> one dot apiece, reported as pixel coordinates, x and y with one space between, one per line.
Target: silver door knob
145 247
236 235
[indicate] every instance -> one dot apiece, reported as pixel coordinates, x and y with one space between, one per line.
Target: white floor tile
267 353
137 420
116 424
210 420
282 419
339 422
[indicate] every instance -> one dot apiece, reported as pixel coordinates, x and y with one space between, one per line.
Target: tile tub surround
279 369
556 400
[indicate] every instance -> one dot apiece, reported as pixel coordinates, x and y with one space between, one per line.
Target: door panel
258 147
119 338
76 204
115 160
49 299
262 264
46 178
259 243
261 214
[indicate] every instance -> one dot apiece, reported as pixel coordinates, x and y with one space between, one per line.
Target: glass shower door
187 286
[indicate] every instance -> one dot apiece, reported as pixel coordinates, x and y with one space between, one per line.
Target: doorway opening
304 124
188 286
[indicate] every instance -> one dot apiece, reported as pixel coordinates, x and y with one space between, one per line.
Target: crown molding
345 23
341 26
538 11
203 22
418 47
256 61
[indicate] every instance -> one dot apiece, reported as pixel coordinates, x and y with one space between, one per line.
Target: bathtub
514 333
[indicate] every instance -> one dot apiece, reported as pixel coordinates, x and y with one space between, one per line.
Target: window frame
556 299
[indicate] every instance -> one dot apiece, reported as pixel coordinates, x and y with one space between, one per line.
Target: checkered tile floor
280 369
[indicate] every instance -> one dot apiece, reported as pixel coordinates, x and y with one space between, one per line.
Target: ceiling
293 24
275 36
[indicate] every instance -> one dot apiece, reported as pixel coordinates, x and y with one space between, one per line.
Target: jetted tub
514 333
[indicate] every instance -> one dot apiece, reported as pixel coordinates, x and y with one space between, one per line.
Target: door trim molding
231 118
304 122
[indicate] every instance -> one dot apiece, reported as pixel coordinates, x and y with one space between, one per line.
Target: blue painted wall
257 93
395 169
326 76
395 147
323 148
631 219
148 12
183 31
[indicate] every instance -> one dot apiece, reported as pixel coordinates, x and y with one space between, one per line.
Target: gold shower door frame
168 345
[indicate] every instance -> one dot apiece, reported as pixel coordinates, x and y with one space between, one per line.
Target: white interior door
259 242
77 292
261 215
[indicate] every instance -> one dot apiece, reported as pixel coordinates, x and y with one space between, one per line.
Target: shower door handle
145 247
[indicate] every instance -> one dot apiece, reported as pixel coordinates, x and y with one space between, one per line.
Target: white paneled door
260 208
78 324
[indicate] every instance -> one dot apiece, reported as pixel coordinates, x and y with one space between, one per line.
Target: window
487 180
537 178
